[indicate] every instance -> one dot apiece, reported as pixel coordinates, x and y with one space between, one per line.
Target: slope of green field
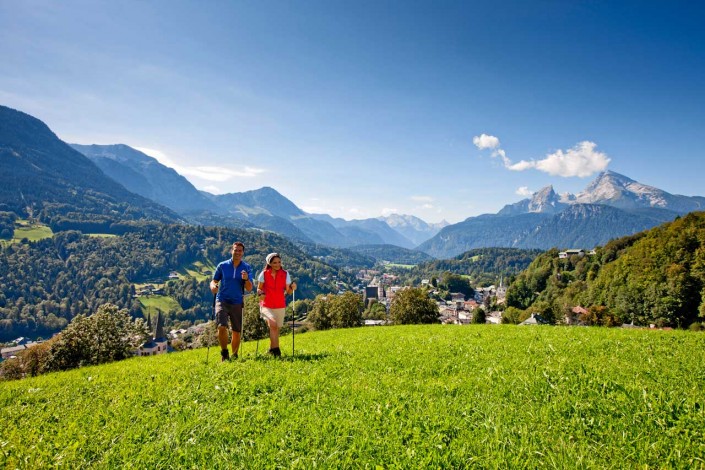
31 231
150 304
381 397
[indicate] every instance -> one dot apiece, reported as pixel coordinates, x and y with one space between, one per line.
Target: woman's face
276 263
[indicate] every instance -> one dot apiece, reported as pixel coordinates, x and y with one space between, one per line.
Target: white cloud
524 191
427 206
159 155
422 198
389 211
209 173
217 173
582 160
314 209
485 141
521 166
213 189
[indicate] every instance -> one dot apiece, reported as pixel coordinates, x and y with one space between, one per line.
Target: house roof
534 319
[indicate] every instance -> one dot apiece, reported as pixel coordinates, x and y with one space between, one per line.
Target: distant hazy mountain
264 208
413 228
44 176
265 200
145 176
384 231
612 206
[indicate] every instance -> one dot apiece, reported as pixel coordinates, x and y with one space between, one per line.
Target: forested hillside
483 266
43 177
653 277
392 254
43 285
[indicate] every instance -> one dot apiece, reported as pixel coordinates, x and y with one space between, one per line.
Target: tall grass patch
32 231
163 303
389 397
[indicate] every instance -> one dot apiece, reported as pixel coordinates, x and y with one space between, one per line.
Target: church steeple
159 330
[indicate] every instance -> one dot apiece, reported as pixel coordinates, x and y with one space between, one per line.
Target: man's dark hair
239 244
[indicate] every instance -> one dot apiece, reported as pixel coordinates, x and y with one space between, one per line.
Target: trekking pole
293 312
208 351
242 336
257 350
242 326
260 315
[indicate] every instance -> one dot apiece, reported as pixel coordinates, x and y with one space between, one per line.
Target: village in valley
381 287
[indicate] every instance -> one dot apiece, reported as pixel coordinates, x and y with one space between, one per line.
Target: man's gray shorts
233 312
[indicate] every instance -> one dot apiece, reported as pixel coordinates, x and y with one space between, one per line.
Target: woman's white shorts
276 314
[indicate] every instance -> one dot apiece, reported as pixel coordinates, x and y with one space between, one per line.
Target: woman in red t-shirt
274 284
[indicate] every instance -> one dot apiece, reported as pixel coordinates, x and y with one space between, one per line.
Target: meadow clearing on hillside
381 397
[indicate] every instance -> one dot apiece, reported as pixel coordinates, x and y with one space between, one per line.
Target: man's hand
214 287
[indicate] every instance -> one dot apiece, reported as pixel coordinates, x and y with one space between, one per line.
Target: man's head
238 250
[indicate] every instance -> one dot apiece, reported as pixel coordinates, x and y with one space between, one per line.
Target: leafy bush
107 335
512 315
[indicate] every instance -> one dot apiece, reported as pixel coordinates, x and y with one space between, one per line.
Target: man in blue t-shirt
232 278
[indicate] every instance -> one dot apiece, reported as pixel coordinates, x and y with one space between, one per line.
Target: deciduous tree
412 306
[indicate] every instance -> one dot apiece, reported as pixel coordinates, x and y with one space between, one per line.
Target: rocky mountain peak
545 200
620 191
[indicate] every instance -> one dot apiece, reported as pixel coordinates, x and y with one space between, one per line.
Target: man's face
238 252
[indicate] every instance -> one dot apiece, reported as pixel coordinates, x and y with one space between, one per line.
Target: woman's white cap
270 257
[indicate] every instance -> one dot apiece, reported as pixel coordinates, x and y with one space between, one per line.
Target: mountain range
98 187
611 206
42 176
262 208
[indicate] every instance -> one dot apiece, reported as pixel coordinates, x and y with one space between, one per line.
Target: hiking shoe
224 356
276 352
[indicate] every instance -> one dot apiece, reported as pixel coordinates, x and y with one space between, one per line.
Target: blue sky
439 109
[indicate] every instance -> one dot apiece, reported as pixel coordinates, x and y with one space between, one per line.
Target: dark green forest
483 266
7 225
653 277
392 254
44 284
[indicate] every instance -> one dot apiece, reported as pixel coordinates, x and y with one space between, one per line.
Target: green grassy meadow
197 269
165 304
403 266
31 231
381 397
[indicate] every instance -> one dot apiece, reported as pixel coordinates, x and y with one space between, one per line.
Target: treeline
106 335
343 257
654 277
7 225
44 284
392 254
